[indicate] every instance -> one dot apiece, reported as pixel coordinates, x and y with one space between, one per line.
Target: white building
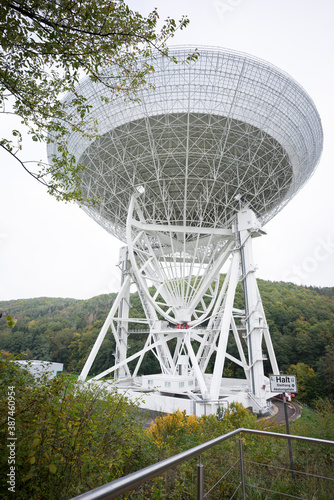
38 368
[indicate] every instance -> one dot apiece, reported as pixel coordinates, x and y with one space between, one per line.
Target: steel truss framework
185 276
175 169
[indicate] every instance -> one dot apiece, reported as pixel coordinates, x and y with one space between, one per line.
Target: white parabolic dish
226 126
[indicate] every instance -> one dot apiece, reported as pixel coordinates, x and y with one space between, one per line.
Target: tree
326 366
308 384
46 47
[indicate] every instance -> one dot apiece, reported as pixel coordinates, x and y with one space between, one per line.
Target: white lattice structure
188 174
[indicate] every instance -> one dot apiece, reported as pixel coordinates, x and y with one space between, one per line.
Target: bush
70 438
174 433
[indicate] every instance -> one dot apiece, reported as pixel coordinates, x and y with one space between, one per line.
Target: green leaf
35 442
28 476
11 321
52 468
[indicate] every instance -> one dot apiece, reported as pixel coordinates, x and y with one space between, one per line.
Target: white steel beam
225 327
197 371
102 334
123 316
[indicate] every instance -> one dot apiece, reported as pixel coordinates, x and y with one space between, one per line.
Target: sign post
283 384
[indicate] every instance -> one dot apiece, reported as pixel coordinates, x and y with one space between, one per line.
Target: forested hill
301 322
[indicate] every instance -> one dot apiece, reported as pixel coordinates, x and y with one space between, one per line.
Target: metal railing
134 480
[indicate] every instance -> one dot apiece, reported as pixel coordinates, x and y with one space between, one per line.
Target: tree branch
35 176
42 20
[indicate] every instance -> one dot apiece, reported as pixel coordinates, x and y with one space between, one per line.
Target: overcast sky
53 249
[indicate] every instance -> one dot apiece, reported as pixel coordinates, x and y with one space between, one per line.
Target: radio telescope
189 174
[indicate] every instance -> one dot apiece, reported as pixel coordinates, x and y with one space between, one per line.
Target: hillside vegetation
301 322
71 438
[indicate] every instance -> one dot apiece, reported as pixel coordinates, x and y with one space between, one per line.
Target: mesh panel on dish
224 126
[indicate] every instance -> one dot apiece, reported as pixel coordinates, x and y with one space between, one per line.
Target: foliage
10 321
69 438
46 47
172 430
173 433
308 384
177 430
236 416
318 423
326 369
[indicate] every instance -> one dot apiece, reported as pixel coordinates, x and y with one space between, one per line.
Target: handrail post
200 480
242 471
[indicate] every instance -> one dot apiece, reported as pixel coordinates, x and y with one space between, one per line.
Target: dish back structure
188 174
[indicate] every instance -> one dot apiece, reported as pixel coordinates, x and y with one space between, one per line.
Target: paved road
294 412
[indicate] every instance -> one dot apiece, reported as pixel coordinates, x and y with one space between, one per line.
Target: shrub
70 438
